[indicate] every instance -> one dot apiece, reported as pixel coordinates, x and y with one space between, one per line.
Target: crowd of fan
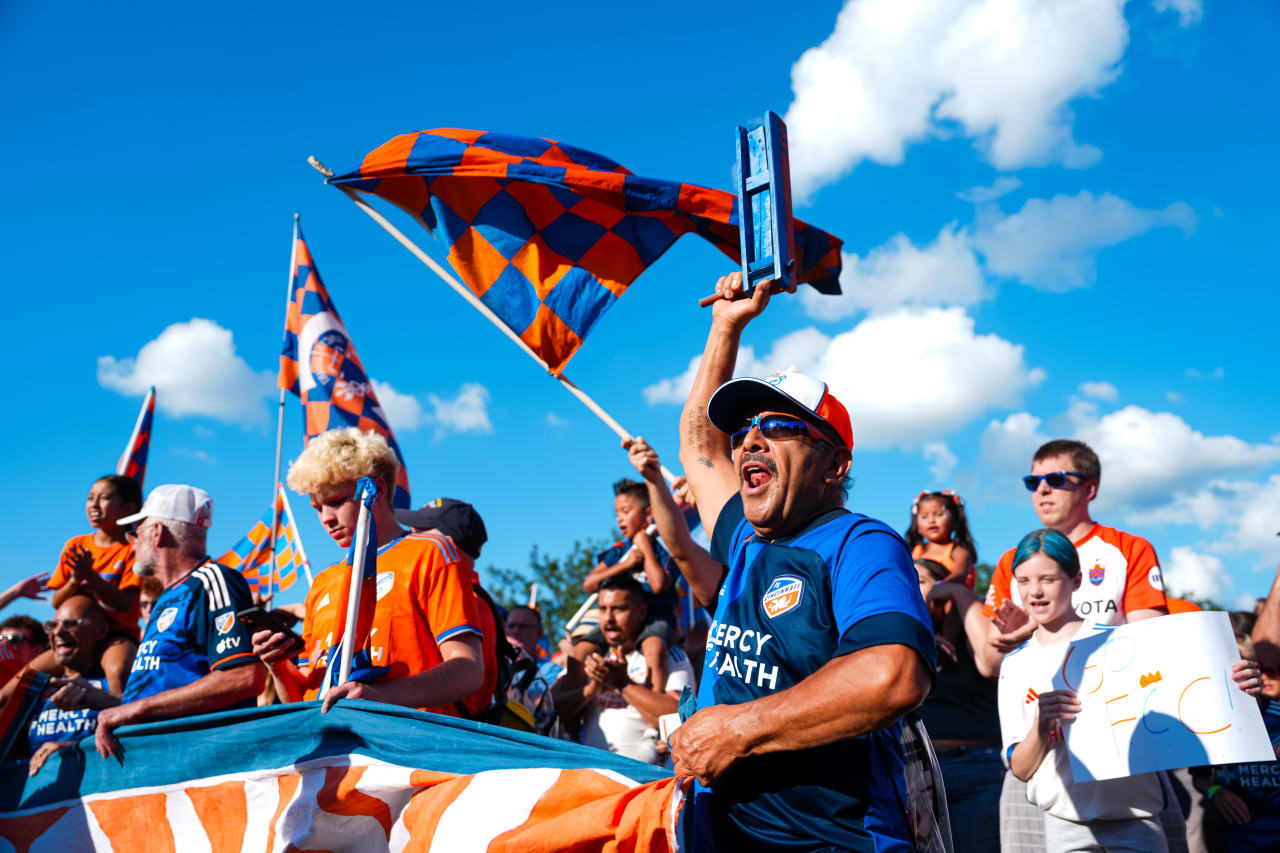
148 627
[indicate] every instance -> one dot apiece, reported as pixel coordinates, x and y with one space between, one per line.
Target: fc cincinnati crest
1096 574
385 581
782 595
1156 578
224 622
166 617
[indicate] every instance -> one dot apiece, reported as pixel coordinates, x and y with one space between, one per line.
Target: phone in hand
256 619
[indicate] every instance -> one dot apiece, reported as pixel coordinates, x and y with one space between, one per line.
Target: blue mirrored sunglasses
1055 479
777 427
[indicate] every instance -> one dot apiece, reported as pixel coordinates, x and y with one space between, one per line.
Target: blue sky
1056 225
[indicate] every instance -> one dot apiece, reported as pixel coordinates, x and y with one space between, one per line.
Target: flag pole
302 552
123 464
275 481
353 594
465 292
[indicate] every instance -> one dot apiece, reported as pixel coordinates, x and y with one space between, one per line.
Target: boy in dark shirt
642 555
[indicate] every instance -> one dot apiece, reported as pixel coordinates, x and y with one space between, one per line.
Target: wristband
1213 789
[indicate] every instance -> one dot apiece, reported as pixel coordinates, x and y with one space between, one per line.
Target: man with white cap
195 656
821 642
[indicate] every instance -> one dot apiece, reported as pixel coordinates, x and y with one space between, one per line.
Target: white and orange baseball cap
175 502
738 400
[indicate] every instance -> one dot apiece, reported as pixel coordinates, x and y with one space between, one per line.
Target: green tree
559 581
982 580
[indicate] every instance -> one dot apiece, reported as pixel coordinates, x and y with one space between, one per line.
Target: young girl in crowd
940 532
101 564
1115 814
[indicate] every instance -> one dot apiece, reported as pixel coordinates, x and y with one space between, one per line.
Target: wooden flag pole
275 480
465 292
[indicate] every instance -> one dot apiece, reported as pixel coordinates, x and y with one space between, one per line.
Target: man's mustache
757 457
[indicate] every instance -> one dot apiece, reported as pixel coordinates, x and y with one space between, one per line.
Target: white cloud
1190 573
195 453
1003 185
1051 244
933 373
465 412
1189 11
1001 71
1099 391
1006 447
1216 373
802 348
942 460
1149 456
945 272
1173 396
1241 513
196 371
555 421
404 412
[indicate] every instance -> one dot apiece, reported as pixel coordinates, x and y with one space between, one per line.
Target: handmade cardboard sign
1158 695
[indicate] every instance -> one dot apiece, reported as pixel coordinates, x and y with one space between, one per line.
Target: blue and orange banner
549 235
363 776
319 364
133 462
251 556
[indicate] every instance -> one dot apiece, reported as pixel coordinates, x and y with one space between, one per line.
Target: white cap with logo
176 503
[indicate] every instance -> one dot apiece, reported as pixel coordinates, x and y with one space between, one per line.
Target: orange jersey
424 598
917 553
114 564
1119 574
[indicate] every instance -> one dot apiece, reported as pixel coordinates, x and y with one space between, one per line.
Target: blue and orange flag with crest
319 364
133 462
549 235
251 556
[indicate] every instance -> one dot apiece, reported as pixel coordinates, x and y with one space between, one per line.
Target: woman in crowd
961 714
939 531
100 564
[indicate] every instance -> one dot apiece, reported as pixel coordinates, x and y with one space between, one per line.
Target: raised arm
704 450
699 568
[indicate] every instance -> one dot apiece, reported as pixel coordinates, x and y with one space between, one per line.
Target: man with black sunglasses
821 642
1123 582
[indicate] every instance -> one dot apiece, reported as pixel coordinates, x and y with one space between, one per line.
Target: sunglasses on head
775 427
1055 479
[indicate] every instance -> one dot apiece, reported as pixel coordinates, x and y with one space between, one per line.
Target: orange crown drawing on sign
1150 678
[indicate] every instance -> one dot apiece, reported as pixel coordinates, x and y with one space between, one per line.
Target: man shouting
821 642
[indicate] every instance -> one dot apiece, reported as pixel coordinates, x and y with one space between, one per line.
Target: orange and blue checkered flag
133 462
319 364
548 235
251 556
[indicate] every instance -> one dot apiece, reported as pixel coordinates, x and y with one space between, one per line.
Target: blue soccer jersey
843 583
192 631
55 724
